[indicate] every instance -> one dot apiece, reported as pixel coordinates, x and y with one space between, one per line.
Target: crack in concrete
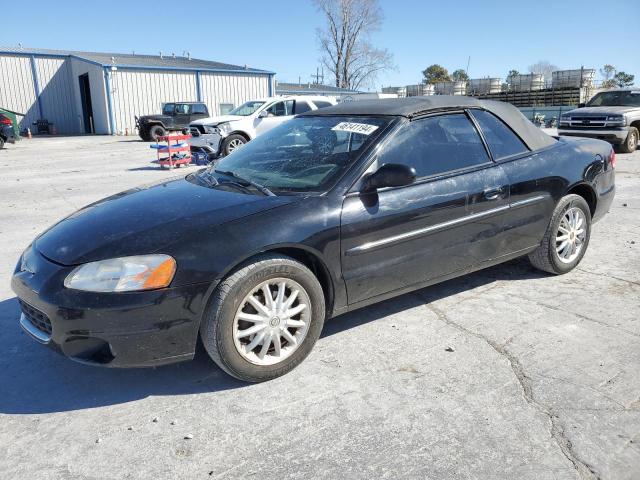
556 430
602 274
578 315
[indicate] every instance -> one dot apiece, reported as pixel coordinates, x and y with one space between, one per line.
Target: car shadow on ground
35 380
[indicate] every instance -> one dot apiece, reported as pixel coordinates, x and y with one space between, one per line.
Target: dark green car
8 127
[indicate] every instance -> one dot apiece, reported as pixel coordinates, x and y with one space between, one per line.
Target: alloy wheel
571 235
272 321
234 144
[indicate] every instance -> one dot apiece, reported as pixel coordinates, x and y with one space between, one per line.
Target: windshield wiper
261 188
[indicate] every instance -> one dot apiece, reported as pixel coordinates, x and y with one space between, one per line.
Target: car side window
182 109
436 145
198 109
301 107
501 140
279 109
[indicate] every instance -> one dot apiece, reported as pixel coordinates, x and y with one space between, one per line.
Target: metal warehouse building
85 92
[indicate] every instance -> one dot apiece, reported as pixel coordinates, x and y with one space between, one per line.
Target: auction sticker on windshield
362 128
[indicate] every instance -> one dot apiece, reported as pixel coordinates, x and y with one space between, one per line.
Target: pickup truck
175 116
613 115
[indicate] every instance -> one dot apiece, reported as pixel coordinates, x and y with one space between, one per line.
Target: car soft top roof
412 107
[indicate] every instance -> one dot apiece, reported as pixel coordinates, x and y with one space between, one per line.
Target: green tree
460 76
512 73
624 79
435 73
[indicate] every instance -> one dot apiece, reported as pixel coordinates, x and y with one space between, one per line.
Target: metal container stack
573 78
526 83
451 88
401 92
485 85
419 90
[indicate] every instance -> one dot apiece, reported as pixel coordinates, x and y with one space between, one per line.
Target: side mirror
390 175
263 114
582 105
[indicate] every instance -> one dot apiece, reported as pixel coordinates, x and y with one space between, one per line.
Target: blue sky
279 35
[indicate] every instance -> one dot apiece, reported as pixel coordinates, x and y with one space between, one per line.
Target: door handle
492 193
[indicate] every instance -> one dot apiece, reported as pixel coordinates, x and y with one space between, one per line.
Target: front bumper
129 329
8 133
611 135
207 141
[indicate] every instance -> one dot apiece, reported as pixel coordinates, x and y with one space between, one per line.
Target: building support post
271 85
36 86
107 82
198 87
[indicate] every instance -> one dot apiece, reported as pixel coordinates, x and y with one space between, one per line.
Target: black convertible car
336 209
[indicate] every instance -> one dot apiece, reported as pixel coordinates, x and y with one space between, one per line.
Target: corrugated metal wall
56 94
17 90
143 92
232 88
134 92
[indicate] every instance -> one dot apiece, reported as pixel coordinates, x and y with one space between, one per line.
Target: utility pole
318 78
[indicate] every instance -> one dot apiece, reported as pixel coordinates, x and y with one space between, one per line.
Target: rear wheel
566 238
631 142
157 131
264 318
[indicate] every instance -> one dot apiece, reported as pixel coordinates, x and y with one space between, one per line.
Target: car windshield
622 98
304 154
246 108
168 108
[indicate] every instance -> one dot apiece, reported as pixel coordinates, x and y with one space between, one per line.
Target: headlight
615 118
225 128
143 272
209 129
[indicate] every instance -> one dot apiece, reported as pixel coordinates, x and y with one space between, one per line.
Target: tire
547 257
145 135
221 325
1 143
631 142
156 131
231 143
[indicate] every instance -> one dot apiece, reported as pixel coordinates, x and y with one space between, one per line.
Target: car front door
448 220
274 115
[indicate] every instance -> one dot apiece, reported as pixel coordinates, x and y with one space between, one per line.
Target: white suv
221 135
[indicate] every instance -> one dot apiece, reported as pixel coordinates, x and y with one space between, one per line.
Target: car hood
601 110
146 219
212 121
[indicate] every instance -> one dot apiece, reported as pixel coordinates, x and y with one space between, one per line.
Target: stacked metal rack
175 152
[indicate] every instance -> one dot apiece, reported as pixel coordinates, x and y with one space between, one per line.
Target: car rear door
451 218
531 203
277 113
198 111
182 117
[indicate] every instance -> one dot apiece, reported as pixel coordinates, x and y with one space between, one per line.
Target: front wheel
264 319
631 142
566 238
232 142
1 143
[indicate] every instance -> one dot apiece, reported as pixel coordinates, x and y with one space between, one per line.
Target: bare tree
345 41
608 72
543 67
